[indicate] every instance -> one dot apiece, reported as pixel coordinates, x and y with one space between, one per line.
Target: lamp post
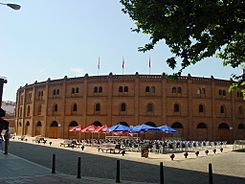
2 81
13 6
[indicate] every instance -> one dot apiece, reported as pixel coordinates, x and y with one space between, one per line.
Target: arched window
123 107
73 124
97 107
74 107
179 89
54 92
152 89
125 88
27 123
224 93
150 107
203 91
241 126
54 124
20 124
20 112
174 90
28 110
201 108
55 108
176 108
95 89
77 90
73 90
100 89
198 91
241 111
202 125
222 109
58 91
39 124
220 92
223 126
120 89
177 125
147 89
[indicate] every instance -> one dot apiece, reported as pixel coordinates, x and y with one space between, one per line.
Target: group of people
4 132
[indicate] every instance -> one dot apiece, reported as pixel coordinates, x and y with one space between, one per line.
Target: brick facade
199 108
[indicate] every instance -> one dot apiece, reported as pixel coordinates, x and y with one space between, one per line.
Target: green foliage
192 29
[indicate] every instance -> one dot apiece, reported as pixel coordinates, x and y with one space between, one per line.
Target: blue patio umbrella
144 128
167 129
118 128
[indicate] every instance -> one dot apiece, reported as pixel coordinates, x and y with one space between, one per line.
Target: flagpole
123 65
149 65
98 66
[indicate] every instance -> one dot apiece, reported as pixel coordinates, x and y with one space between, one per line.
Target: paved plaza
30 161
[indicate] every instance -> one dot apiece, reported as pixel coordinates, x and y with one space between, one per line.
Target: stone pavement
228 167
16 170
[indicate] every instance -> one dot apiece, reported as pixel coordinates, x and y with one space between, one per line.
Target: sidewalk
15 170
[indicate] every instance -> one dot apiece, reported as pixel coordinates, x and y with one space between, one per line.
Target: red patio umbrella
90 128
76 128
101 128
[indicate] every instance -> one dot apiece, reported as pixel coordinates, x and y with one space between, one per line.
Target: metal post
53 164
210 172
161 173
79 168
118 172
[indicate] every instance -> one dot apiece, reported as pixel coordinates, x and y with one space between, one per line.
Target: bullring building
198 108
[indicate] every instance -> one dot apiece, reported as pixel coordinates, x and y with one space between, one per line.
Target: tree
193 30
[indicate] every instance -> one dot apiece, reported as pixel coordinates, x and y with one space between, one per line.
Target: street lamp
13 6
2 81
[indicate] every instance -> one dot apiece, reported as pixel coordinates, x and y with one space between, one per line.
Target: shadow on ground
105 167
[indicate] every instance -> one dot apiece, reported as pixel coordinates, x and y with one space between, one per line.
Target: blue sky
51 39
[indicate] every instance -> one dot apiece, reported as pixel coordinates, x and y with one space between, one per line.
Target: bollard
79 168
53 164
118 172
210 172
161 173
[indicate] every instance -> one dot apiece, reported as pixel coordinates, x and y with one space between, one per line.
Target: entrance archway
240 132
150 124
202 132
53 130
38 128
27 128
180 129
223 132
124 123
97 123
72 135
